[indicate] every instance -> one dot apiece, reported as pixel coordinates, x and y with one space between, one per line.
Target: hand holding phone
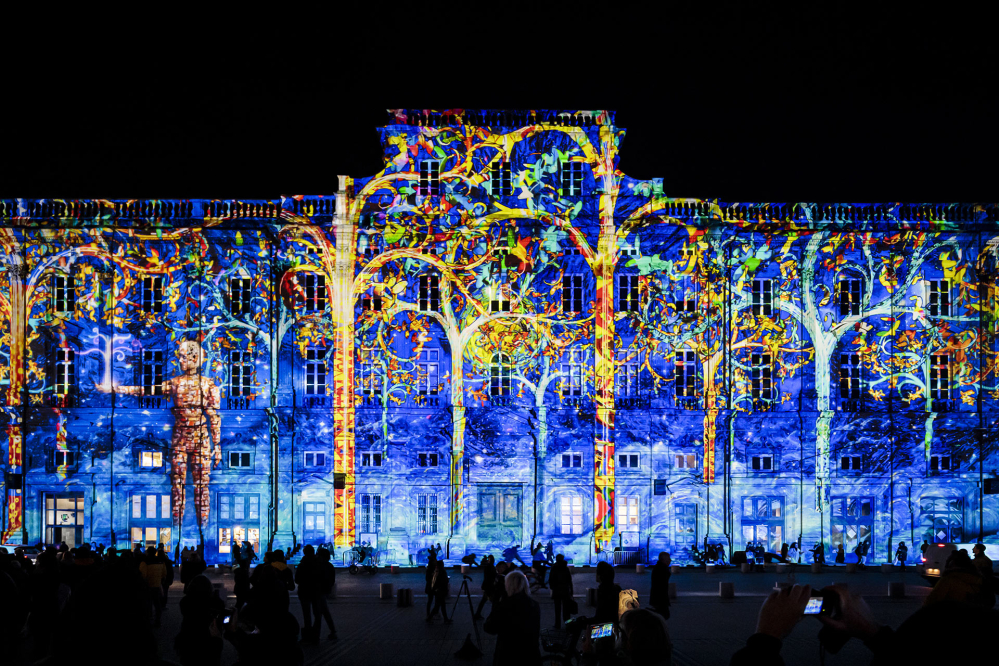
601 630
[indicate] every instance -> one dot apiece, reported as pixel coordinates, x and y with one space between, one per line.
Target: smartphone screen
602 630
226 618
814 606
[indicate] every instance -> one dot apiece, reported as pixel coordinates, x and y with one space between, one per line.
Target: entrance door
64 519
500 515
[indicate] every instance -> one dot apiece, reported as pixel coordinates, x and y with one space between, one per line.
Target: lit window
426 514
572 373
370 378
430 293
315 371
627 514
500 179
428 380
762 297
572 460
151 459
65 371
685 460
63 294
572 294
315 459
500 375
572 179
240 459
627 293
763 462
429 459
626 382
571 513
939 298
371 460
240 293
761 381
314 519
315 293
630 461
849 297
940 377
152 294
430 177
371 513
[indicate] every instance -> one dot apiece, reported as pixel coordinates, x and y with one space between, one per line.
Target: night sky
738 104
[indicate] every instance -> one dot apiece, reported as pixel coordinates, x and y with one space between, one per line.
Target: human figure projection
195 410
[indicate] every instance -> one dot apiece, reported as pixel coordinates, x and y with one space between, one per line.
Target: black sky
728 102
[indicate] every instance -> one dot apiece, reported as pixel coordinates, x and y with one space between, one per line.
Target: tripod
465 652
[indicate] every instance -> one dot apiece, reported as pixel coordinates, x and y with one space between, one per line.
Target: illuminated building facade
498 339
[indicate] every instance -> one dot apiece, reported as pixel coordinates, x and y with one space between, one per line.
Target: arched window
500 375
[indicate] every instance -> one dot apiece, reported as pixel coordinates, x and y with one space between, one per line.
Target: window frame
430 178
571 507
849 296
315 361
629 460
761 382
938 298
240 295
152 294
757 462
572 457
63 294
571 177
244 460
500 376
573 381
370 510
315 464
427 514
316 293
430 292
573 293
501 178
762 297
686 394
629 296
372 459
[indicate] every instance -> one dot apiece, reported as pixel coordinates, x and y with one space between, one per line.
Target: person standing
153 572
488 580
428 576
306 577
516 623
840 555
924 548
982 562
859 552
608 594
819 554
902 554
659 596
538 565
783 552
438 588
320 607
560 581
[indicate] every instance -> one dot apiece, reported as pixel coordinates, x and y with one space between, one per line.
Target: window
940 377
659 487
239 507
500 301
942 463
426 514
571 513
627 514
372 301
314 517
315 293
939 298
684 525
429 459
572 460
572 294
572 373
851 463
315 371
761 382
62 459
151 520
852 521
150 459
500 179
500 375
430 292
763 462
428 380
627 293
315 459
763 521
685 460
685 377
152 373
240 379
241 459
240 293
371 514
430 177
65 371
64 518
762 298
238 520
572 179
629 461
941 519
626 382
152 294
849 297
371 459
849 382
63 294
370 378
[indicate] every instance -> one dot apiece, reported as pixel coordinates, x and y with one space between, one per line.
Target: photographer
644 642
781 611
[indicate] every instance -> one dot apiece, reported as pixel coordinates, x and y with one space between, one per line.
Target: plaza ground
705 629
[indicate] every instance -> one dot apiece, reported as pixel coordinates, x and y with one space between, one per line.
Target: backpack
627 600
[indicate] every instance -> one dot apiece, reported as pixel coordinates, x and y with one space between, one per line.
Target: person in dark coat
560 582
320 607
516 623
309 586
659 596
438 589
840 555
488 580
428 576
200 608
607 595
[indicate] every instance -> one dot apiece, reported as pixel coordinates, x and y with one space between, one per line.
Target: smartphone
602 630
814 606
226 617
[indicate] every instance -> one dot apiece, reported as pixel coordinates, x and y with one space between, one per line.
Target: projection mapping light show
498 340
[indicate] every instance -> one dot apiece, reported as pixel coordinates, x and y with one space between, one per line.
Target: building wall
574 356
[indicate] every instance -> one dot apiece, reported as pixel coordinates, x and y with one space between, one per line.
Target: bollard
851 567
746 567
640 568
672 590
816 567
896 589
404 597
781 568
887 567
709 569
674 568
591 597
466 568
726 590
385 590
